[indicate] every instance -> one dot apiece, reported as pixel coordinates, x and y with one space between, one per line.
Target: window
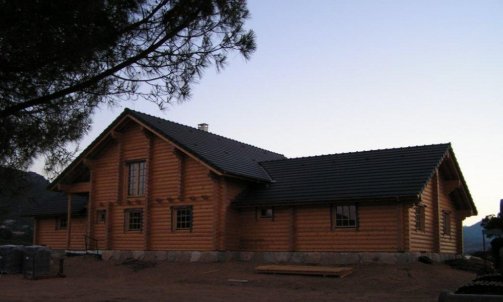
101 216
266 213
420 217
136 178
446 223
344 216
183 218
61 223
133 219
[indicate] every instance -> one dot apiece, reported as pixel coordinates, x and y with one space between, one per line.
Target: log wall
313 231
50 236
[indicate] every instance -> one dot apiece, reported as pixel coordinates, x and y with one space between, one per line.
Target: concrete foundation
323 258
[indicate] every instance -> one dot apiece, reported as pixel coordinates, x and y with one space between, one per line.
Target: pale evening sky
338 76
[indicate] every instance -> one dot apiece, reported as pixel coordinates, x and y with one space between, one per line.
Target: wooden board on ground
340 272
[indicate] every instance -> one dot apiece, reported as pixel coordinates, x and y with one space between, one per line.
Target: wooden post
35 231
222 215
436 212
292 234
148 191
216 201
108 226
459 234
181 173
406 224
69 221
90 206
401 227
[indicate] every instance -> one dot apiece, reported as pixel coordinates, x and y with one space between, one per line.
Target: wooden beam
78 187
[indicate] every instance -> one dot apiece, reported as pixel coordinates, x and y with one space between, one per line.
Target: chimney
203 127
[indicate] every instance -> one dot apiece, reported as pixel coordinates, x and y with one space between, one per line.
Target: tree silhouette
61 59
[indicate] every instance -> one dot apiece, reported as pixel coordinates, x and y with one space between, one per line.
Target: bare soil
88 279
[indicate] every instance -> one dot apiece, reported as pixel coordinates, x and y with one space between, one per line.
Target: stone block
269 257
312 258
298 257
208 257
195 256
106 255
161 255
150 256
282 257
138 255
246 256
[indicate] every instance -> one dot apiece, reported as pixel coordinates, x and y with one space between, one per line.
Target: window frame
420 217
136 178
265 213
176 218
335 221
128 220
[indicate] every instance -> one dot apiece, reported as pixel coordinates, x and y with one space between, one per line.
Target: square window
133 219
183 218
344 216
136 178
266 213
101 216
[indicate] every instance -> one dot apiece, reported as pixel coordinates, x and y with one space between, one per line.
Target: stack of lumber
312 270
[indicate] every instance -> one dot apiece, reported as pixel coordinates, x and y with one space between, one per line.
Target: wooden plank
311 270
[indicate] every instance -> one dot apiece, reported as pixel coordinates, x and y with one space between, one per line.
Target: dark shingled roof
56 205
388 173
224 154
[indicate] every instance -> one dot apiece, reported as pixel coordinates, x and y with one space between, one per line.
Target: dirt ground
88 279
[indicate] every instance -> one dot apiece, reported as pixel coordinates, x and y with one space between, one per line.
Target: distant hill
472 236
19 192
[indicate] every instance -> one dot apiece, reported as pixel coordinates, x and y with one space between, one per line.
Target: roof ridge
202 131
358 152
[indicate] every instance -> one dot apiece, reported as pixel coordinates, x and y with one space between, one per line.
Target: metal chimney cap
203 127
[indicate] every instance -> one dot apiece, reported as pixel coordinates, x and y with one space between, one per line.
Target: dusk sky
341 76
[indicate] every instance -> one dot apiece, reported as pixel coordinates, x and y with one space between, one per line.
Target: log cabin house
147 184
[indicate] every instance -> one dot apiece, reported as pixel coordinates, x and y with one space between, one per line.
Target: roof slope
227 155
388 173
56 205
